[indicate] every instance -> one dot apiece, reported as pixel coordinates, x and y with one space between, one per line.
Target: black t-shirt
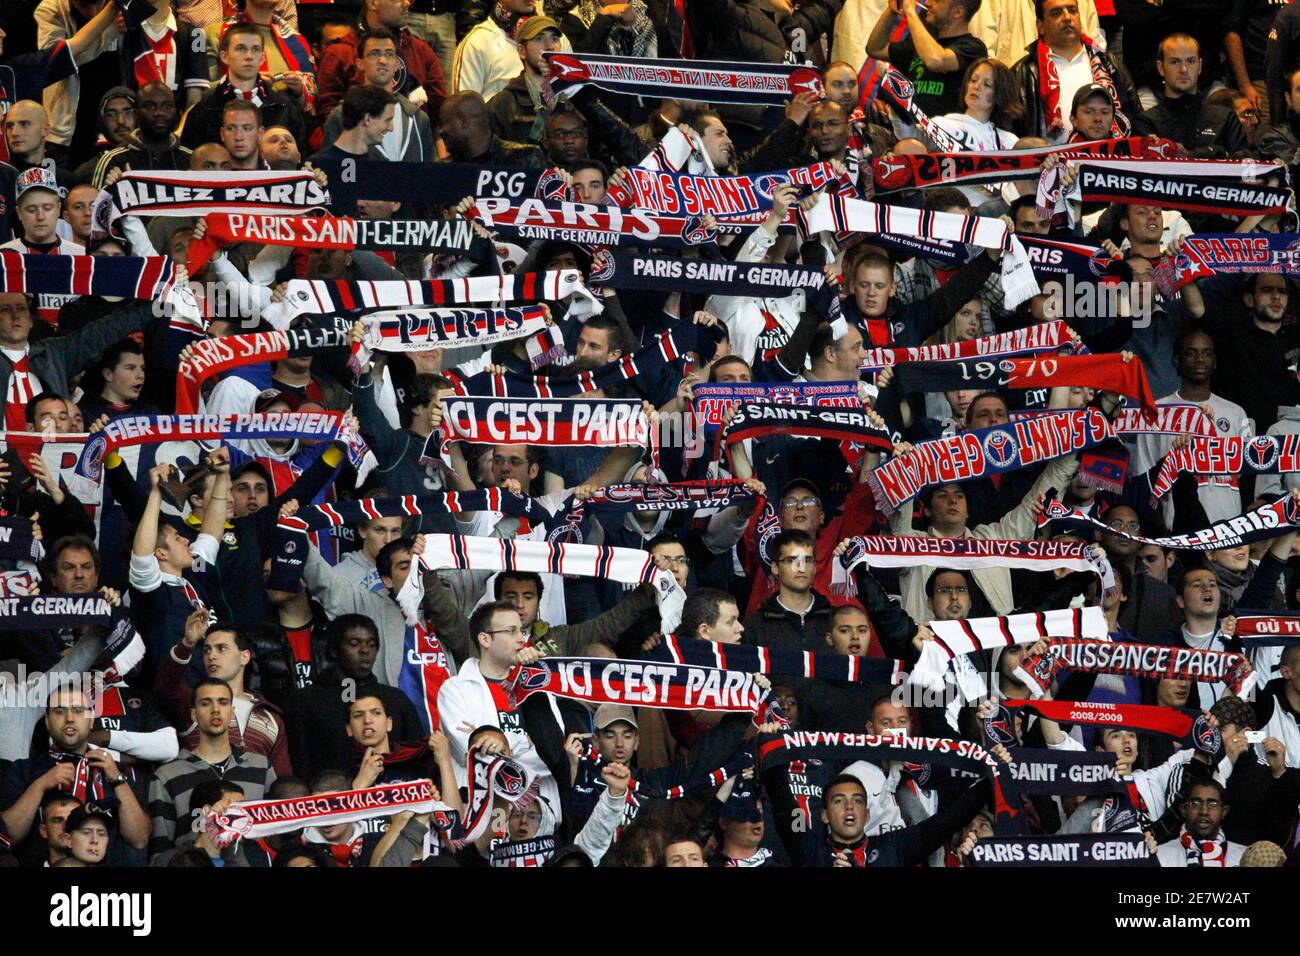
343 200
1251 20
937 93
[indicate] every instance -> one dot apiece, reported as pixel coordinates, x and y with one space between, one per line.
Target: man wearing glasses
71 765
411 138
1201 842
476 698
796 617
1151 605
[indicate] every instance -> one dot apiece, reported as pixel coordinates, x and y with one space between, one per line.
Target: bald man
465 127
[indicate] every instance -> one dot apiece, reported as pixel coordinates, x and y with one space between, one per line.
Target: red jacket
339 71
857 517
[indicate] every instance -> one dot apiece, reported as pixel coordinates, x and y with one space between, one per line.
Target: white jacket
465 702
1174 854
487 59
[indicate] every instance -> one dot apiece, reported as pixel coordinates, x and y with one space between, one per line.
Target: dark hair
283 787
607 325
67 543
1204 782
209 682
113 354
1192 328
54 796
931 581
480 622
241 105
1008 105
531 576
330 780
695 118
565 108
983 395
384 559
823 339
210 791
339 628
704 606
1021 202
250 29
971 7
376 33
1290 656
843 778
45 396
663 537
792 536
241 637
588 162
1252 282
362 101
945 197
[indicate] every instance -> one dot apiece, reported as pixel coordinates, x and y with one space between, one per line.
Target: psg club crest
532 678
693 231
550 185
602 267
917 772
1000 448
999 729
766 184
899 85
510 781
806 80
1206 736
566 68
1261 453
891 174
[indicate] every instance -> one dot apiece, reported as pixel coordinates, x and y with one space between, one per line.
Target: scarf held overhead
1046 337
131 277
1149 661
986 451
1085 849
625 565
706 81
1261 524
167 193
779 661
327 232
1234 455
629 270
17 541
1218 187
644 684
589 224
850 425
447 183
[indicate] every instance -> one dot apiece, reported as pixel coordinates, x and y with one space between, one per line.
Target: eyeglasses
681 562
512 631
1196 803
807 501
532 816
1120 525
952 592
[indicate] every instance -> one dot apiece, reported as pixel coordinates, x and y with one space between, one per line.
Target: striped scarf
712 402
838 214
631 270
1148 661
330 296
1049 87
995 450
778 661
900 92
131 277
1261 524
1199 853
1084 849
1148 717
167 193
888 551
421 329
88 781
17 541
1217 187
625 565
1228 252
851 426
1267 629
953 638
705 81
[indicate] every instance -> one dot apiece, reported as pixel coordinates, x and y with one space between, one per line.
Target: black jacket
1203 129
774 626
1281 140
316 719
1033 123
203 121
1252 371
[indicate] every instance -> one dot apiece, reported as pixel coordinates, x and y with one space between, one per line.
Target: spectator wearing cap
1182 113
1092 114
617 738
89 829
40 203
518 112
153 144
488 58
411 138
796 617
116 123
339 69
1061 43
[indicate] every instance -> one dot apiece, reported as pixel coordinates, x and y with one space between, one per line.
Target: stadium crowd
939 357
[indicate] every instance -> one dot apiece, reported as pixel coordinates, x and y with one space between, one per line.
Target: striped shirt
174 781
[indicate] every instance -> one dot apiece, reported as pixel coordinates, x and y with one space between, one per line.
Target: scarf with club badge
1049 87
1261 524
